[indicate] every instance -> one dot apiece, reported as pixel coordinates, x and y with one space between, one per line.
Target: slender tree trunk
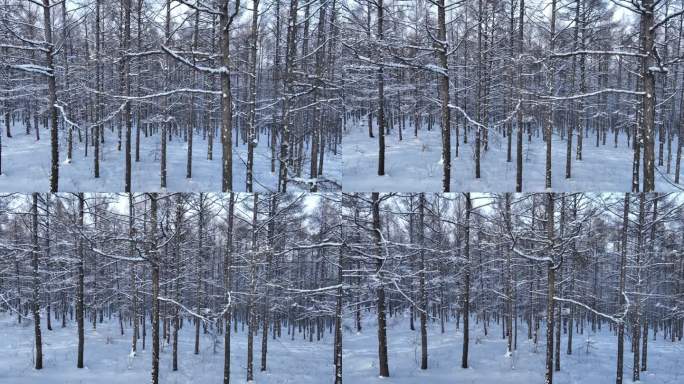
380 290
79 288
519 115
227 284
550 306
422 294
125 70
36 284
381 95
441 48
647 37
155 261
251 139
52 98
466 284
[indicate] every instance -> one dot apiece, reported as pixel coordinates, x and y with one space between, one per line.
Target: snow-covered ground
107 357
414 164
26 166
488 360
299 361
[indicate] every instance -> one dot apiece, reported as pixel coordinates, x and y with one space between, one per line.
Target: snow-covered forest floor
107 357
26 165
414 164
593 359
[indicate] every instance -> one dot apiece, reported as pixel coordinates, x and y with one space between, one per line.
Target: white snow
593 359
26 165
108 356
414 163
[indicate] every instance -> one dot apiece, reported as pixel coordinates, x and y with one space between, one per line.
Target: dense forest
526 286
572 82
536 271
153 264
104 76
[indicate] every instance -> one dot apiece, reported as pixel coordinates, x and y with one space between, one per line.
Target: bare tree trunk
36 283
134 282
251 139
466 284
125 70
381 95
252 291
155 261
98 97
52 98
79 288
227 284
177 270
550 86
623 273
291 52
421 289
550 307
444 96
647 37
519 115
380 290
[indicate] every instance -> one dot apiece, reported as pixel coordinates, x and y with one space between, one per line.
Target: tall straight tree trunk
550 85
48 309
466 284
647 37
380 290
444 95
225 21
199 261
52 98
272 209
65 64
421 289
193 107
636 324
134 283
177 283
138 118
316 140
227 284
338 316
125 70
480 88
98 97
519 116
79 287
550 306
36 283
165 104
252 290
509 280
291 52
381 93
251 139
623 273
154 261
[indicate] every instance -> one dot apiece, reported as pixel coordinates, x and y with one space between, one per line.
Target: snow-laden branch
616 319
595 93
524 255
592 52
23 47
166 93
116 257
32 68
186 309
66 118
201 68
